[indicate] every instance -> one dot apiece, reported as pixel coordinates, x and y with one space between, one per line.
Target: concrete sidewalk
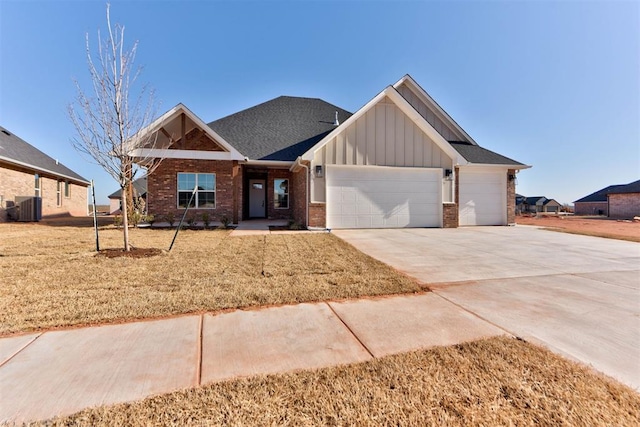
61 372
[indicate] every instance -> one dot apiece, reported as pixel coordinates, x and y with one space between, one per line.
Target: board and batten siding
383 136
433 118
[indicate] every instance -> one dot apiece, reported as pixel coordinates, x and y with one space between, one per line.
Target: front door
257 195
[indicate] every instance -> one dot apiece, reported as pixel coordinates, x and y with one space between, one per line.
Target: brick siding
17 182
591 208
272 212
624 205
162 188
317 215
299 202
450 215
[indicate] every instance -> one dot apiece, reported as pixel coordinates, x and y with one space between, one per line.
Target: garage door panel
383 197
482 198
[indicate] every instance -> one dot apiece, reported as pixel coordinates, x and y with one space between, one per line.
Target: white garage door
383 197
483 197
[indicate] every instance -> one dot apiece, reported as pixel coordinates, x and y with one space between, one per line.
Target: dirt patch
133 253
590 226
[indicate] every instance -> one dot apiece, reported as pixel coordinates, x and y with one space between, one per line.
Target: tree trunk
125 218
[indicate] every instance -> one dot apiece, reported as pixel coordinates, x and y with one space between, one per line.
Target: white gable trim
407 109
427 99
175 113
181 154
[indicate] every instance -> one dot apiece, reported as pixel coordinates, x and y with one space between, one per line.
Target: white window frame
67 190
276 193
38 186
196 199
59 193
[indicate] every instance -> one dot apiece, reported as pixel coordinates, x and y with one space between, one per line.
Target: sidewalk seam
350 330
476 315
4 362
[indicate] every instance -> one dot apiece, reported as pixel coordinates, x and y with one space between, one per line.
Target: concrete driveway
577 295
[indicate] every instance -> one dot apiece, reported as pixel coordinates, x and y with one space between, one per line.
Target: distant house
624 201
139 190
536 204
597 203
41 184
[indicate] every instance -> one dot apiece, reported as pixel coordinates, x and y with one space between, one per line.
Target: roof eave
47 171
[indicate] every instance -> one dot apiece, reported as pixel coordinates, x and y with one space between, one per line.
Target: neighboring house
536 204
399 161
624 201
595 203
27 173
139 191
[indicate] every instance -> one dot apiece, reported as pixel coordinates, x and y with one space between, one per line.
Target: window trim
67 190
196 200
276 194
38 186
59 193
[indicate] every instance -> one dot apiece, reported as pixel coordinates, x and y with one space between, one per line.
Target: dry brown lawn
499 381
52 278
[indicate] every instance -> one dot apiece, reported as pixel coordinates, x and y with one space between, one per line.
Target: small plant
170 218
191 220
294 226
135 218
225 221
206 219
150 219
117 221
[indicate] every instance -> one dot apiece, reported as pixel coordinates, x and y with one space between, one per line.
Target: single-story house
624 201
139 191
597 203
536 204
399 161
34 185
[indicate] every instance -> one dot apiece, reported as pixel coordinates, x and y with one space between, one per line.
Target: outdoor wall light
512 177
319 173
448 174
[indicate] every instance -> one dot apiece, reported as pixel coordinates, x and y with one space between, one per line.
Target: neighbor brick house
399 161
624 201
40 183
598 203
536 204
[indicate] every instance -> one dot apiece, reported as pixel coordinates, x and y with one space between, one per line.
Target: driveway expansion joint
350 330
8 359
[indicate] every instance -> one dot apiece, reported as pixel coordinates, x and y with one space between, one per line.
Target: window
205 183
281 193
67 189
38 192
59 193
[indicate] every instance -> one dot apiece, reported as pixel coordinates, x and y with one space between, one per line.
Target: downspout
298 162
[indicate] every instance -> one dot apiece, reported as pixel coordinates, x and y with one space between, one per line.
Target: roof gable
392 95
16 151
179 123
283 128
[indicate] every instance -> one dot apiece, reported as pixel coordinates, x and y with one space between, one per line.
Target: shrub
205 219
117 221
150 219
135 218
170 218
191 220
225 221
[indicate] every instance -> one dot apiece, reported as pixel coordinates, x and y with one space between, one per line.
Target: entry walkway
61 372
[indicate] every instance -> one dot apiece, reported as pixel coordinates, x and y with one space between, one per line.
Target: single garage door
383 197
483 197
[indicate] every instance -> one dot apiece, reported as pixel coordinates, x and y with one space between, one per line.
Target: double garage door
383 197
482 197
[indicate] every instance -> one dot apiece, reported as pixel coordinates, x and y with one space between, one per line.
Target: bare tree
109 125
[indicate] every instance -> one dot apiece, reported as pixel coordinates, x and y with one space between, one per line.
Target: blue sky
553 84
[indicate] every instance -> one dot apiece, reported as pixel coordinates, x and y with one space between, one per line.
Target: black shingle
280 129
17 151
476 154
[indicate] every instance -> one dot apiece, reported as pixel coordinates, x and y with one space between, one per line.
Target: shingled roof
16 151
280 129
476 154
601 195
633 187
